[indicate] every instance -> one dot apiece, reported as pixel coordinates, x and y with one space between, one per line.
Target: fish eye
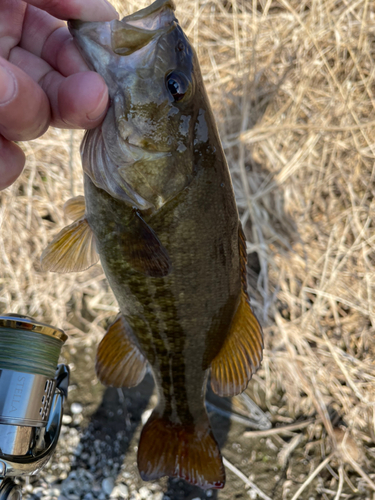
177 84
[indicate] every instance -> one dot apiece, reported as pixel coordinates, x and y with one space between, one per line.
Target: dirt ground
114 416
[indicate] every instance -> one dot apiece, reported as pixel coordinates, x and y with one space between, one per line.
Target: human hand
43 79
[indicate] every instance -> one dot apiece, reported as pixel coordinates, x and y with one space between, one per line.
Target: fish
160 213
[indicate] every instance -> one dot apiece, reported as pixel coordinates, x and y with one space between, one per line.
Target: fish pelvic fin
119 362
73 249
189 452
241 353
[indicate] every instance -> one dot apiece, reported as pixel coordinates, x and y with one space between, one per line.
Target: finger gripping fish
160 212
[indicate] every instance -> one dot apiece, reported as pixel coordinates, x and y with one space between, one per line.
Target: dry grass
292 86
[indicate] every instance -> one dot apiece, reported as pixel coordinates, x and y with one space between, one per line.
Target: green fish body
159 210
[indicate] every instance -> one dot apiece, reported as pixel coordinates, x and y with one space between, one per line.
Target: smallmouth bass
159 211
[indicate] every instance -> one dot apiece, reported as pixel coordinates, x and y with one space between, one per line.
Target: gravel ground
96 454
89 460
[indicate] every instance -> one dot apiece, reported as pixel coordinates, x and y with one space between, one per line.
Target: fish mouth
130 34
156 16
137 30
75 24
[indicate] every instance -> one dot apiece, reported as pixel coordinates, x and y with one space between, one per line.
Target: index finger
85 10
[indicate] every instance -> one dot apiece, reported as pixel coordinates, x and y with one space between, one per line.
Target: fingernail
98 111
8 85
110 9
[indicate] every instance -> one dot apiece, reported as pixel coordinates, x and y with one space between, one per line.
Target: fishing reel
33 388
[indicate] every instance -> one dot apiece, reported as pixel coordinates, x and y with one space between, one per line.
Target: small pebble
77 452
107 485
114 493
145 493
77 419
76 408
145 416
123 490
67 419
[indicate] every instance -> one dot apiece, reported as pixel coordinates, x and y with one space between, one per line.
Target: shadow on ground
114 428
111 426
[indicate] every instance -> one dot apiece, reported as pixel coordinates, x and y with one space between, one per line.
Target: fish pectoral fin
241 353
173 449
143 249
75 208
72 250
119 362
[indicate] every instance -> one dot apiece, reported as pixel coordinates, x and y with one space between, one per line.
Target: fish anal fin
187 452
143 249
72 250
241 353
119 362
75 207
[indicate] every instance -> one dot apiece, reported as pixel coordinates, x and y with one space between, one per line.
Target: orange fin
143 249
187 452
119 362
72 250
75 208
241 354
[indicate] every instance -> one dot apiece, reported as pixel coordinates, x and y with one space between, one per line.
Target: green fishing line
29 352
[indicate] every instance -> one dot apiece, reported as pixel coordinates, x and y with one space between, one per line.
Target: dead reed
292 86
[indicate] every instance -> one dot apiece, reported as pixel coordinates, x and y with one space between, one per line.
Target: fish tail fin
189 452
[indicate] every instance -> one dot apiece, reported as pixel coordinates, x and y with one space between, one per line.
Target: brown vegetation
292 86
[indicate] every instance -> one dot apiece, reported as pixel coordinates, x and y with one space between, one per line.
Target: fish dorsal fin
241 353
72 250
119 362
75 208
143 249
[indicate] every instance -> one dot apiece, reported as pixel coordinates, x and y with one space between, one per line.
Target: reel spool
33 388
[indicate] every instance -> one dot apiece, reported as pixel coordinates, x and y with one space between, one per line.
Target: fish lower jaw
156 16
